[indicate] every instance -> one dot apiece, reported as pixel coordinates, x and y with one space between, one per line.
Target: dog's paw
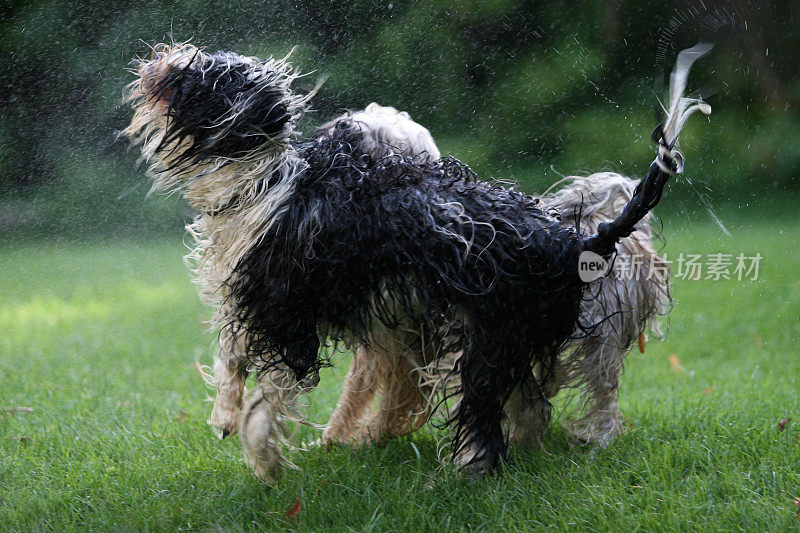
476 463
224 422
323 442
263 471
482 468
259 435
477 470
595 433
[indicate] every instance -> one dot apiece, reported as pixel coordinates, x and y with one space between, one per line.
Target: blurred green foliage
521 90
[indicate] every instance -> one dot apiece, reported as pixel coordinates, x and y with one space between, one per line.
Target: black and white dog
625 304
303 241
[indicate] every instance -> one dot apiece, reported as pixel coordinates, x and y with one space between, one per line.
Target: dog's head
381 131
198 113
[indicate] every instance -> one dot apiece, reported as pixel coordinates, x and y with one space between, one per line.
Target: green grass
99 339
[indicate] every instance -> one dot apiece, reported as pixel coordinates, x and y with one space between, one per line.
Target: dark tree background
520 90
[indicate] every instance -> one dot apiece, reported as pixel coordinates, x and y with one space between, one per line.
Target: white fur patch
387 131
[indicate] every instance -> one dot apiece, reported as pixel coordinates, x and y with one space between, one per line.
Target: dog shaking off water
305 240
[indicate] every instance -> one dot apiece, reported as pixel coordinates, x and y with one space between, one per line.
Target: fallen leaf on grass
642 342
796 503
675 363
782 424
181 415
294 511
23 439
18 410
708 390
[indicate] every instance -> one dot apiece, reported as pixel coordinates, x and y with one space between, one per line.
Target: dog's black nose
225 432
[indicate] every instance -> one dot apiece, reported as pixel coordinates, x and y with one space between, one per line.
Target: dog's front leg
230 373
283 376
264 415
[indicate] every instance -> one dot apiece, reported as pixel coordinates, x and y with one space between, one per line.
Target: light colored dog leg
263 428
260 437
601 367
528 415
360 386
381 368
402 408
230 373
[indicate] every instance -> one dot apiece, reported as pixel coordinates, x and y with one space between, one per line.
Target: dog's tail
669 160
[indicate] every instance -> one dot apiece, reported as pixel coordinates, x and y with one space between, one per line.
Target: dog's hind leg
600 369
527 408
230 373
489 371
384 368
402 408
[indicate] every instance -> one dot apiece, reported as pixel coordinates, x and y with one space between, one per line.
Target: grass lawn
100 338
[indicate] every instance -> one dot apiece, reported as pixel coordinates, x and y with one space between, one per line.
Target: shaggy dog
623 305
630 296
300 241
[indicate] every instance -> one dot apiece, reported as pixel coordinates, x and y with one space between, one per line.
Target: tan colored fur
386 368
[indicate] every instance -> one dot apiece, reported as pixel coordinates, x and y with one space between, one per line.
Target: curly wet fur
311 239
623 305
440 244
